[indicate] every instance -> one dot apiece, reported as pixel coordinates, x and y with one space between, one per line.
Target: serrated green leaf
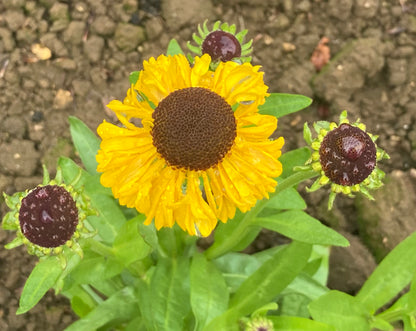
280 104
298 225
394 272
116 310
43 277
174 48
209 292
341 310
293 323
86 143
129 246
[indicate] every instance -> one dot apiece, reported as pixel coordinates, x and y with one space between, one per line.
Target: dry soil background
95 44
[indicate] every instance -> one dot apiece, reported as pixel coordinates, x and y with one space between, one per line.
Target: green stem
239 233
100 248
392 316
94 296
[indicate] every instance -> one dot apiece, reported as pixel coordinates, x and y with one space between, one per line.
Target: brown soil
95 44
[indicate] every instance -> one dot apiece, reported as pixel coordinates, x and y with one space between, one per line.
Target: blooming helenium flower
203 149
48 218
222 43
346 157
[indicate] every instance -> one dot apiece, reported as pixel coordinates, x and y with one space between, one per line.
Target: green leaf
174 48
136 325
280 104
294 158
134 77
129 245
110 218
380 324
225 230
286 199
261 287
209 292
43 277
167 297
236 268
82 304
340 310
72 173
117 309
298 225
86 143
298 324
394 272
94 268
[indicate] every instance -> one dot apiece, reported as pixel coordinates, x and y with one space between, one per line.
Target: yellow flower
202 148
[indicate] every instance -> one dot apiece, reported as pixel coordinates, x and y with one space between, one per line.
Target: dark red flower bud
48 216
221 45
347 155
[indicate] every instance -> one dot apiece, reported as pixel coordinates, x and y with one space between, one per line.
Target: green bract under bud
222 43
345 156
48 219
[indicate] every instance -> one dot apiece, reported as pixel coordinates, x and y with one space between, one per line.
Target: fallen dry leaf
322 54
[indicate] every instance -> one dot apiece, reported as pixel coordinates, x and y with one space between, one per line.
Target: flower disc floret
193 128
48 216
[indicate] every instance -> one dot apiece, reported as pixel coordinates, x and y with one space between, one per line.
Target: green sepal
46 177
193 48
307 135
14 243
315 186
197 39
331 200
10 221
13 200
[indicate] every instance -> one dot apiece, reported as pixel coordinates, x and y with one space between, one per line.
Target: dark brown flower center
194 128
221 45
48 216
347 155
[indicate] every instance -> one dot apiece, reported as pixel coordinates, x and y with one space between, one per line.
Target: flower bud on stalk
346 157
48 219
221 43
